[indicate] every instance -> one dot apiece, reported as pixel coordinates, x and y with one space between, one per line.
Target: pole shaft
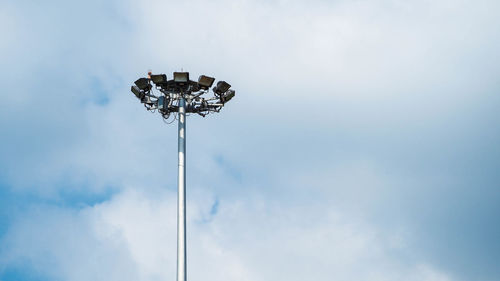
181 195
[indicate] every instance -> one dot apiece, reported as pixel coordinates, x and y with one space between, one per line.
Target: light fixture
137 92
222 87
205 82
181 96
181 78
143 83
227 96
159 78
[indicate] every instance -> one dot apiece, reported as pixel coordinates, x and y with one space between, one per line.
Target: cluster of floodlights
171 91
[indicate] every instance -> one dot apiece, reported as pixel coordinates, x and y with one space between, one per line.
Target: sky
362 144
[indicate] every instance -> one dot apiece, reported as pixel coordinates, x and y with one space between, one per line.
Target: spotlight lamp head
181 78
227 96
159 78
222 87
205 82
137 92
143 84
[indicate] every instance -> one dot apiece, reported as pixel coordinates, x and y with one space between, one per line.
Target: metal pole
181 199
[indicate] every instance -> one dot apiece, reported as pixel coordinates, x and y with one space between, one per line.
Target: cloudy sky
363 143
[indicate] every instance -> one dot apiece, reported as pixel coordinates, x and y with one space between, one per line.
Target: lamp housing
181 78
227 96
222 87
143 84
137 92
205 82
159 78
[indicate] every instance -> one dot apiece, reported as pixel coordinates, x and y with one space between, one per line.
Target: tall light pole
173 99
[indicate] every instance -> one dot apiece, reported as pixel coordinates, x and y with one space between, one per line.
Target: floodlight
137 92
181 78
159 78
221 87
205 82
143 83
227 96
194 86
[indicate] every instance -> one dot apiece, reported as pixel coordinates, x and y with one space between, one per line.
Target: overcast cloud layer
362 143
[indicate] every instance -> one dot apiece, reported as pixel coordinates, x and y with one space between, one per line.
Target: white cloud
356 69
349 101
132 236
